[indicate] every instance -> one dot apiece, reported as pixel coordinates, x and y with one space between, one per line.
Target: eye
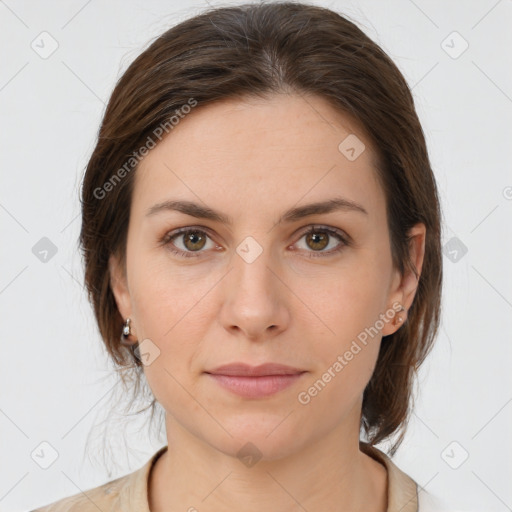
320 237
193 240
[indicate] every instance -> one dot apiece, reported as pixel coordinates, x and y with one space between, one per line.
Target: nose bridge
251 273
253 300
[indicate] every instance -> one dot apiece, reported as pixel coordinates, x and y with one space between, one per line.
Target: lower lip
256 387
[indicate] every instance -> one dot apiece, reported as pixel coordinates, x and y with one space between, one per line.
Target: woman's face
250 284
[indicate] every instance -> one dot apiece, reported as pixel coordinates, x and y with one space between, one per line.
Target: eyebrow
292 215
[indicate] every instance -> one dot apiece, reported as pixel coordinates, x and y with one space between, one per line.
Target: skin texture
253 160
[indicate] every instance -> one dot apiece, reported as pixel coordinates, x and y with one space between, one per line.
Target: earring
125 333
398 319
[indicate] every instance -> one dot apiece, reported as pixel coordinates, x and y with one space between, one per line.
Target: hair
257 50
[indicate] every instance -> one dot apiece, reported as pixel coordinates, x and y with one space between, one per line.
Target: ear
403 288
119 286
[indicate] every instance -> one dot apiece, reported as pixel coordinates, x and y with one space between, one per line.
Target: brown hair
257 50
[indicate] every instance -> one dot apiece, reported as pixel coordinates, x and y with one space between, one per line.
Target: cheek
173 310
350 308
352 299
170 313
166 298
344 369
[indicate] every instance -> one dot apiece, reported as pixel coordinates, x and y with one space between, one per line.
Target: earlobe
119 287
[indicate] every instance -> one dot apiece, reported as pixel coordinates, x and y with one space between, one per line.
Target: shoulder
431 503
104 497
404 494
126 493
402 490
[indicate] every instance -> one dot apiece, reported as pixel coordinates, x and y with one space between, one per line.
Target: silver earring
399 319
125 333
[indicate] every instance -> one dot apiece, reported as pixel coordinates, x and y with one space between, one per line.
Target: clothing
129 493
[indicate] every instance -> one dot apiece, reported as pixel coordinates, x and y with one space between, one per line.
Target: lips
246 370
255 382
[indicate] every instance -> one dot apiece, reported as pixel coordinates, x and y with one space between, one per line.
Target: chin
260 437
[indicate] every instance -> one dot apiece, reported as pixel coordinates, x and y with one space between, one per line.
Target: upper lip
247 370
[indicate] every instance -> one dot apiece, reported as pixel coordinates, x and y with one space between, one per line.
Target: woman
261 236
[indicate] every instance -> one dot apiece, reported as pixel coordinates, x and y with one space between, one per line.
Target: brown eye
317 240
187 243
194 240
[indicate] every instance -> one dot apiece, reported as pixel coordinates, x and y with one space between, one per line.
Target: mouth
255 381
246 370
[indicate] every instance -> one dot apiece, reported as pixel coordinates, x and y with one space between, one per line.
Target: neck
330 473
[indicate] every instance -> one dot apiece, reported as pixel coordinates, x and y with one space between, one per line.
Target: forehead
257 152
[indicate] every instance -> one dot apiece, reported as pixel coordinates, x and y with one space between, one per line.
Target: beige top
129 493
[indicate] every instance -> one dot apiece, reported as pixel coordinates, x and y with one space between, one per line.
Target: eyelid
344 240
167 238
330 229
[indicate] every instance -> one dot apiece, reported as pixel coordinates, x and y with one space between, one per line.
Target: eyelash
168 237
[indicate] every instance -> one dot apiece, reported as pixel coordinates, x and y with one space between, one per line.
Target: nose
254 299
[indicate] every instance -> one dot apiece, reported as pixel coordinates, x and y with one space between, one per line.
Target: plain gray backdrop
60 61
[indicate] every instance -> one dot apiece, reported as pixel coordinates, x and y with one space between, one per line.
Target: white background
54 372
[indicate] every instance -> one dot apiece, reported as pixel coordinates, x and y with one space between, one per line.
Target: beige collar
402 489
